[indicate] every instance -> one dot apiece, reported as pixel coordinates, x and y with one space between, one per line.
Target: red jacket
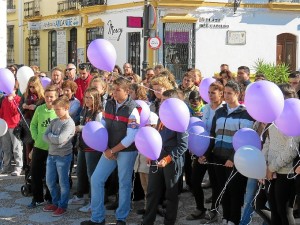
82 86
9 111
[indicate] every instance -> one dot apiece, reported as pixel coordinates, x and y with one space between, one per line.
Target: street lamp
146 36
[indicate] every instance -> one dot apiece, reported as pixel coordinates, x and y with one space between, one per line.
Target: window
10 44
11 4
72 47
34 48
52 53
92 34
134 51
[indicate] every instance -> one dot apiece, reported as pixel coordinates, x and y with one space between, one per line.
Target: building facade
194 33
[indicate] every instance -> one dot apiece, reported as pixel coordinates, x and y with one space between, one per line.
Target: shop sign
113 32
74 21
212 23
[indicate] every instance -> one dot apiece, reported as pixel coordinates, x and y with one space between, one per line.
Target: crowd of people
45 139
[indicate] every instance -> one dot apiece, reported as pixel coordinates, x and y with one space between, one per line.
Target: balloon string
21 114
265 130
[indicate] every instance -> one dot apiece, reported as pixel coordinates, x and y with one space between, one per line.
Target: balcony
285 5
32 10
67 7
86 3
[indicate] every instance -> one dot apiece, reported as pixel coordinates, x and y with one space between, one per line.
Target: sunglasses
69 69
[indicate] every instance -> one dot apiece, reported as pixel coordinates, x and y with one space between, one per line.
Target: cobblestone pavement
13 209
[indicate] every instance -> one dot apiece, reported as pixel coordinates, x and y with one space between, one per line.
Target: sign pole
146 36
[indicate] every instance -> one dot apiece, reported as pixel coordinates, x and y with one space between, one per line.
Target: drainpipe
146 36
3 33
21 32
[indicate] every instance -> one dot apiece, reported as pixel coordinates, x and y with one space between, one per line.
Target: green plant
275 73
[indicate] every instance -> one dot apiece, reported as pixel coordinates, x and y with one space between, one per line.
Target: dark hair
228 73
118 68
294 74
288 91
260 76
172 93
195 96
234 85
245 68
83 66
122 82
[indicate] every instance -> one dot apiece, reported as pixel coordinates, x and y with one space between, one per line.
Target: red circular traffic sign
154 43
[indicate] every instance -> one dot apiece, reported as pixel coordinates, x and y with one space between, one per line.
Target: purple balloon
174 114
45 81
198 140
195 121
289 120
246 136
264 101
149 143
250 162
95 136
145 113
7 81
102 54
204 88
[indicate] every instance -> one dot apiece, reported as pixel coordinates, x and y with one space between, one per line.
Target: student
166 171
59 135
39 123
10 142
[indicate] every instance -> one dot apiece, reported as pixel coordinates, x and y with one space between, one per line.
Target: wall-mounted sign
74 21
113 32
236 37
61 47
154 43
134 22
212 23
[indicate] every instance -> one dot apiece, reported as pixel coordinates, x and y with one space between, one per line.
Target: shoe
76 201
140 211
205 184
89 222
59 212
120 222
208 200
50 208
16 173
196 215
210 217
35 204
86 209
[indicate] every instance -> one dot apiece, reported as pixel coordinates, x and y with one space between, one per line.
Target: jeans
248 209
86 164
58 168
125 162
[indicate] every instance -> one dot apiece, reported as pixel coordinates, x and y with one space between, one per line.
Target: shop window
52 46
92 34
10 45
179 48
134 50
34 48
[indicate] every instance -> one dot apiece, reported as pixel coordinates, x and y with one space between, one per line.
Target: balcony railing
67 5
284 1
11 4
85 3
31 9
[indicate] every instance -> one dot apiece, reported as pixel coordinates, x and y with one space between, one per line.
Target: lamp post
146 36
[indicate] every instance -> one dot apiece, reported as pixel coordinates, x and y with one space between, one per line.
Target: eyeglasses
83 66
69 69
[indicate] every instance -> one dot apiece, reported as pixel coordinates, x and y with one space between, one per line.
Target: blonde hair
98 79
62 101
162 81
37 85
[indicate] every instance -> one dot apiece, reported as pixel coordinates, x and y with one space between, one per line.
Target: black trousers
160 178
38 172
281 191
233 198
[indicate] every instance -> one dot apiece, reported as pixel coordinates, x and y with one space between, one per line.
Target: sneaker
196 215
210 217
50 208
35 204
76 201
16 173
86 208
59 212
89 222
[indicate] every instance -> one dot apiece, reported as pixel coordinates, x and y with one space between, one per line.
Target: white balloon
250 162
3 127
23 75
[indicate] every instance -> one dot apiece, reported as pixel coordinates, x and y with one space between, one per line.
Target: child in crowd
39 123
59 135
87 158
195 104
10 142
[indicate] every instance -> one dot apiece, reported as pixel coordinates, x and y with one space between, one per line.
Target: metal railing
31 9
63 6
85 3
11 4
